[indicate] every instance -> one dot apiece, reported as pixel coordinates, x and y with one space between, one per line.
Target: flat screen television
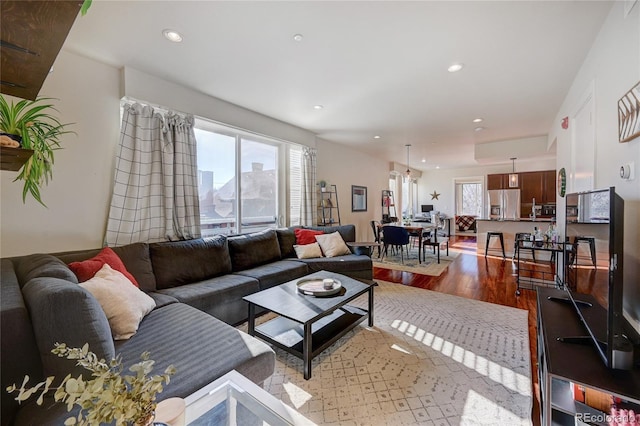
594 272
426 208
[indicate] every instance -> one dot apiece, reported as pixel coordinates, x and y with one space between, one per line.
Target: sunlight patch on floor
490 411
499 374
297 396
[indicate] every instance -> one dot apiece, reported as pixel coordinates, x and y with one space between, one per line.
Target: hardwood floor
489 279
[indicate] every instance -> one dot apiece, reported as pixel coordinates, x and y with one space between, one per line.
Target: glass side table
235 400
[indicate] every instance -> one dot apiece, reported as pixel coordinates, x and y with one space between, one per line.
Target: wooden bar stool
494 234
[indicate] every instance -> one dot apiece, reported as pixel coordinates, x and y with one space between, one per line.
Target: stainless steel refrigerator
504 204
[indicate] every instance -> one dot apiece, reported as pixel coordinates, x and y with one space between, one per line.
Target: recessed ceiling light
298 37
437 167
318 107
172 35
455 67
478 120
424 160
376 137
479 129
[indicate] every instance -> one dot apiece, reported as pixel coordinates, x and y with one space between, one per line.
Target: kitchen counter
538 219
508 227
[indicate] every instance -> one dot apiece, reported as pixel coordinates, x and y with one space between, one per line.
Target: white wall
612 67
443 181
78 196
343 167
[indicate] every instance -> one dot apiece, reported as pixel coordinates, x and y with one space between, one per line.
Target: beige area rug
409 263
430 359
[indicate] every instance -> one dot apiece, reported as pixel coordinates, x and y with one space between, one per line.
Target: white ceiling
378 68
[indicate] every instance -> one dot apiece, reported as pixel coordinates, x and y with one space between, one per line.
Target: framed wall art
629 115
358 198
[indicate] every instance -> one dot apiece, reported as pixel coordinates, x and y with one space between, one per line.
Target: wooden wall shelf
13 158
31 35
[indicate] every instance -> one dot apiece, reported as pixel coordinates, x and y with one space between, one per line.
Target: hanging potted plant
34 127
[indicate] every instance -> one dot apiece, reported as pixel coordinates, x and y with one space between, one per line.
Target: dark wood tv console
560 364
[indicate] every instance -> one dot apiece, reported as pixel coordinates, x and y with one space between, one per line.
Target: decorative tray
315 287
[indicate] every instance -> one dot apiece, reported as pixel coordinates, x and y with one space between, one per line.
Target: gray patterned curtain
308 198
155 190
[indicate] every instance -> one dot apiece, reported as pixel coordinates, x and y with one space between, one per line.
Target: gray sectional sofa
198 287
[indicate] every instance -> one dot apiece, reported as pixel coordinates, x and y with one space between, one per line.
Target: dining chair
375 226
395 236
435 241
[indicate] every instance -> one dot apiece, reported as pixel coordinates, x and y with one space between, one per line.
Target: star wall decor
434 195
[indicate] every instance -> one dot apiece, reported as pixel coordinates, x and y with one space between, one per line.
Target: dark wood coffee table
307 325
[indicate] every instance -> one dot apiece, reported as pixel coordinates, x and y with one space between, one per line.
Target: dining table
416 229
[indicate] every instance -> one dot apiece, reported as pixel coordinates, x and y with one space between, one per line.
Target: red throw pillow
306 236
86 269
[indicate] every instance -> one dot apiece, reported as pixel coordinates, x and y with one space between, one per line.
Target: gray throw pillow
178 263
286 240
251 250
64 312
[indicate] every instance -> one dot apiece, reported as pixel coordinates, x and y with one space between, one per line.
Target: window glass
259 185
266 174
469 199
216 182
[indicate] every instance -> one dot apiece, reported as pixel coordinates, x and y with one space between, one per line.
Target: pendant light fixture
408 172
513 176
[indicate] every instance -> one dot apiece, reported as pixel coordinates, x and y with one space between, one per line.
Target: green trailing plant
109 396
86 4
40 131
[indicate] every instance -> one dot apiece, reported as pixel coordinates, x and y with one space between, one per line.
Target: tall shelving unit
328 207
388 206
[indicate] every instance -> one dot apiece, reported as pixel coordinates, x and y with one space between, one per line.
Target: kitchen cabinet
549 187
531 186
498 181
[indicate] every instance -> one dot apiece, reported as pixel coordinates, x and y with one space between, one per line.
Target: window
409 198
469 198
254 198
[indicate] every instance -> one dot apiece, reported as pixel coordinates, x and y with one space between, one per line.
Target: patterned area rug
430 359
409 263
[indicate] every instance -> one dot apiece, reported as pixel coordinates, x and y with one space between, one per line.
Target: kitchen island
508 227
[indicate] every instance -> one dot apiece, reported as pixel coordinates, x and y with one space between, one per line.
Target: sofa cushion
134 256
138 262
42 265
64 312
347 232
18 348
123 303
86 269
219 296
332 245
200 347
248 251
308 251
286 239
306 236
177 263
275 273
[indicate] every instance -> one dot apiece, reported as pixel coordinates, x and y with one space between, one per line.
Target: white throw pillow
308 251
123 303
332 244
